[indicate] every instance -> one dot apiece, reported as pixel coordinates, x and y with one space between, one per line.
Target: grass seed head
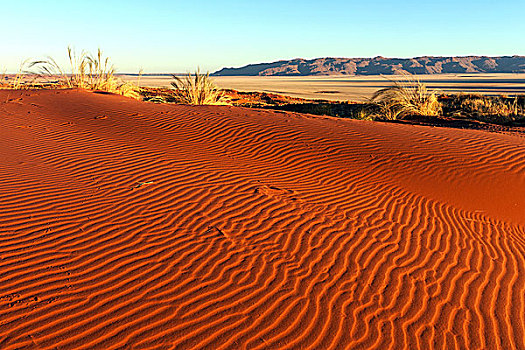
406 97
197 89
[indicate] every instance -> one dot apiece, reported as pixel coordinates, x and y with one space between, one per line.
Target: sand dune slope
133 225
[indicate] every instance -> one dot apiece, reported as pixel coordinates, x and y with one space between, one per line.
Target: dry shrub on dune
406 97
87 72
17 81
197 89
7 82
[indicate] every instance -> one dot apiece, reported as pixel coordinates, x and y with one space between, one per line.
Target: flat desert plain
134 225
356 88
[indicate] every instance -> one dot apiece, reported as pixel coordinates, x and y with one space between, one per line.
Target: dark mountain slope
382 65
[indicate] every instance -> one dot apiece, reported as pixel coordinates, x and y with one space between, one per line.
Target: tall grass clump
197 89
92 72
405 98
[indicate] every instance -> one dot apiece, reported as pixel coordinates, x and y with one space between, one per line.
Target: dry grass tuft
405 98
16 82
198 89
87 72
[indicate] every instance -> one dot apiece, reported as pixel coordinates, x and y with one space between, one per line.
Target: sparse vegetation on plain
488 109
197 89
87 72
503 110
492 109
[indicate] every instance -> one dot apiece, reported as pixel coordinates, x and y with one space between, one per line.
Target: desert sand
126 224
356 88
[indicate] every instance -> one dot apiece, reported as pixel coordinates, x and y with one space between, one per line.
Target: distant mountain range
381 65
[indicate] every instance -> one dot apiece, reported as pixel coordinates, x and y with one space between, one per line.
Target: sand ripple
134 225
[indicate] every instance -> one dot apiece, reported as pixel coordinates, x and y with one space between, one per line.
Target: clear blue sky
177 36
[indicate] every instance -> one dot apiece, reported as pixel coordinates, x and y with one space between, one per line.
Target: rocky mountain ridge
381 65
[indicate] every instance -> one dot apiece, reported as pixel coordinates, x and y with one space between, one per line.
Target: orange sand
126 224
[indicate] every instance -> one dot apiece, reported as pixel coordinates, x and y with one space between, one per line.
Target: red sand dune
126 224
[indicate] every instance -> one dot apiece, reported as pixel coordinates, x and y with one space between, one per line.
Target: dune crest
131 224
